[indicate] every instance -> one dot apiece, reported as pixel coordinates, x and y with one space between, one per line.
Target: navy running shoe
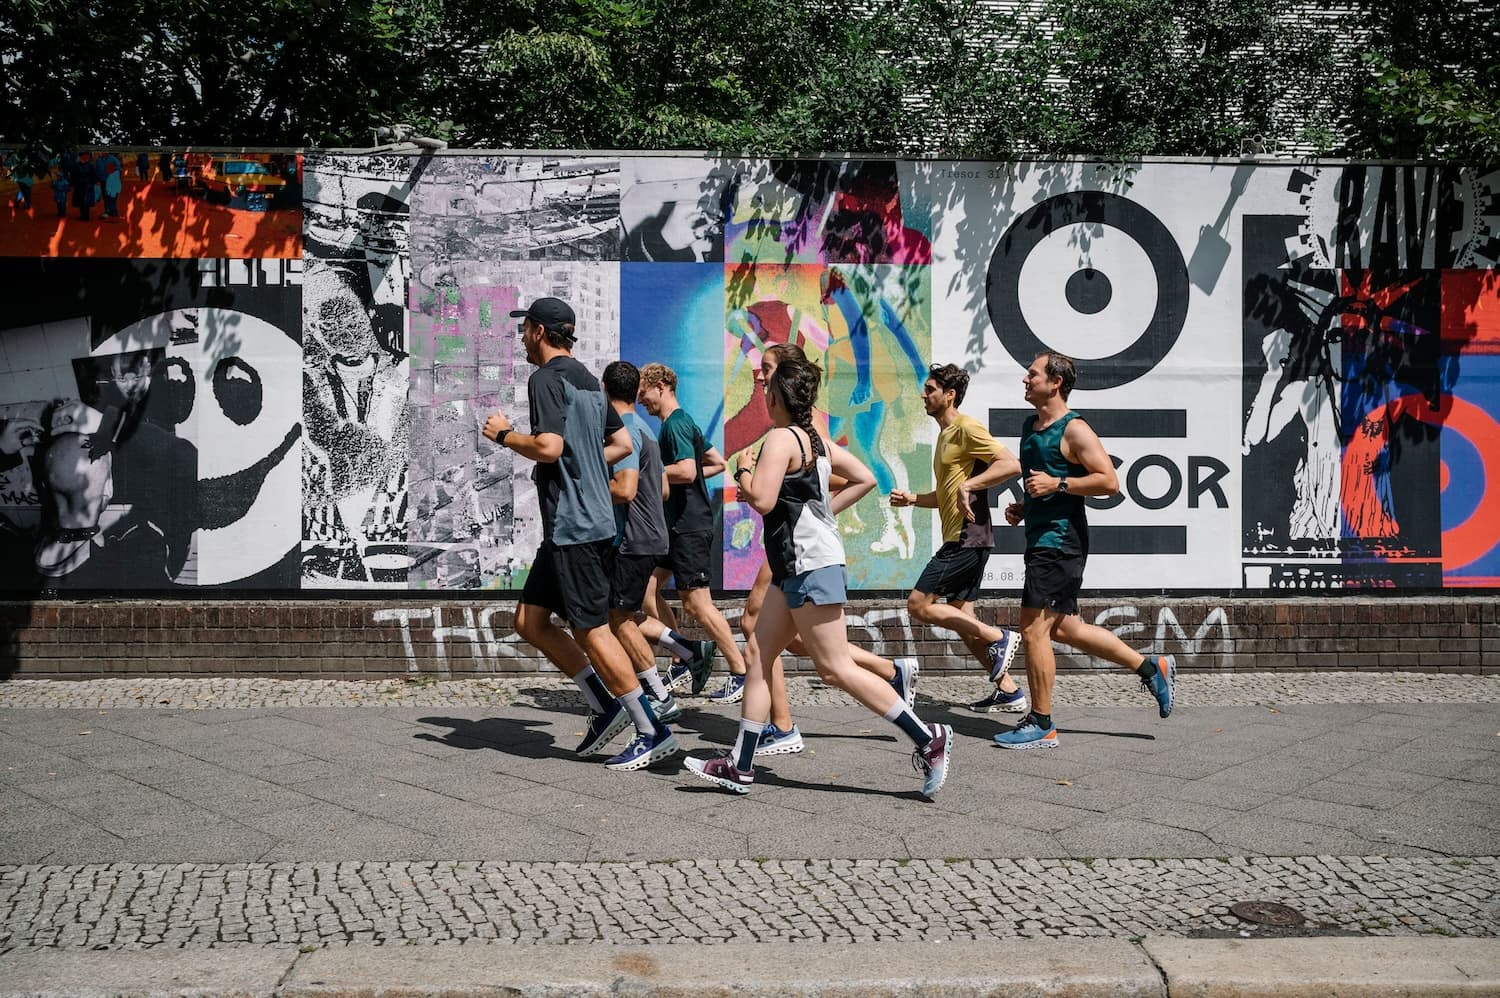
998 701
1002 653
905 680
644 750
733 690
774 741
603 728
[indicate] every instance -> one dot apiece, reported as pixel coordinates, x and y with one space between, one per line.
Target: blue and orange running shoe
1162 684
1028 735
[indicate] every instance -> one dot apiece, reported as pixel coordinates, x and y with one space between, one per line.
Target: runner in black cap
574 433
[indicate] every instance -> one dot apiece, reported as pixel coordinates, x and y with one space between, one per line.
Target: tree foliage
1118 78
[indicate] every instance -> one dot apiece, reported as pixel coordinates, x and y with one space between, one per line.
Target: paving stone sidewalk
1104 689
227 814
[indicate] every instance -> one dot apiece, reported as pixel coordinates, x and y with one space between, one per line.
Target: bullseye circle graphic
1089 292
1479 532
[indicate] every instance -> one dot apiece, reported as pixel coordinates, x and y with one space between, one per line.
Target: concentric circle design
1024 332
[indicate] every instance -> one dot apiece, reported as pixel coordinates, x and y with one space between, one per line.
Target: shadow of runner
870 736
513 737
765 777
14 617
717 729
567 701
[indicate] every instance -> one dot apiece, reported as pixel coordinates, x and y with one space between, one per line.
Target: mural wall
268 372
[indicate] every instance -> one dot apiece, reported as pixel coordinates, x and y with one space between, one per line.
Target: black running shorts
628 576
1052 580
570 580
954 573
688 559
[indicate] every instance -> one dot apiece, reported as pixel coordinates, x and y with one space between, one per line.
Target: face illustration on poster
229 380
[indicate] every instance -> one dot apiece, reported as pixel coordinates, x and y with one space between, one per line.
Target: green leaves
1109 78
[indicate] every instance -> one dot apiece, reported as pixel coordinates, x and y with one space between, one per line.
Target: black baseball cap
552 313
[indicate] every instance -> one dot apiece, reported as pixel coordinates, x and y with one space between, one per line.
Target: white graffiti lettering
489 649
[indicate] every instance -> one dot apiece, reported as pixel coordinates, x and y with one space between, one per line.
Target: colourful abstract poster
1370 390
867 327
673 314
158 204
1386 329
1469 476
824 211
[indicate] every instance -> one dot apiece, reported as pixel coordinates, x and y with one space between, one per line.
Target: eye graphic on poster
230 383
1092 275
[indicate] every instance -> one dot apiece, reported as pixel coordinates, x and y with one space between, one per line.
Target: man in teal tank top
1062 461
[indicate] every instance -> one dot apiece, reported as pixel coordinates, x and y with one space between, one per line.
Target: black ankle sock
1043 721
918 732
1146 669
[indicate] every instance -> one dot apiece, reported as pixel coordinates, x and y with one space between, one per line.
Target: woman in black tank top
792 607
781 735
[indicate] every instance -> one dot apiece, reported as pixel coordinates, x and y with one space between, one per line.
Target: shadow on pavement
770 779
870 737
1140 735
543 698
513 737
716 729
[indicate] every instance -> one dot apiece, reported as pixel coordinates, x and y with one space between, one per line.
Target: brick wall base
382 638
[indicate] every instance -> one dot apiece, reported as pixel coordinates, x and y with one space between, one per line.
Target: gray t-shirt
641 524
567 400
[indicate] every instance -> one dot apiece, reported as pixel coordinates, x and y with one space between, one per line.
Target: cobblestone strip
124 906
1073 690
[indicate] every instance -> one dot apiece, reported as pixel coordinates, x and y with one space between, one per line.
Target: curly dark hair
950 378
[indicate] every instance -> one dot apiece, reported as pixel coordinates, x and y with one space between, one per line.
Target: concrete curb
1159 966
1350 968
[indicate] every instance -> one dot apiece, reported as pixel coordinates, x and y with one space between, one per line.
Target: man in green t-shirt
689 460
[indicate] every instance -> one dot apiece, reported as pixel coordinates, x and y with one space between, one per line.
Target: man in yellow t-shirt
966 463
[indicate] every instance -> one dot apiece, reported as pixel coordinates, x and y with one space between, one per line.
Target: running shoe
774 741
720 770
931 760
667 709
1028 735
1002 653
695 670
603 728
644 750
733 690
1162 684
905 680
1000 702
